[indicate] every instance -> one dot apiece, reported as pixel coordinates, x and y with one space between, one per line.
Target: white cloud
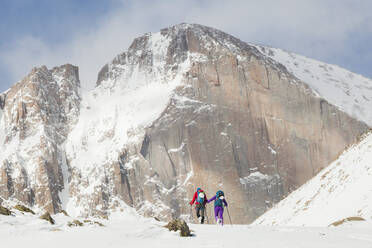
319 29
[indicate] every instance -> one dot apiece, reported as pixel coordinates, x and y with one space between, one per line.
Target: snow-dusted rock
192 106
350 92
38 113
185 107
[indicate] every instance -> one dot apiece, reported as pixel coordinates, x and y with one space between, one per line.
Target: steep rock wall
245 125
239 122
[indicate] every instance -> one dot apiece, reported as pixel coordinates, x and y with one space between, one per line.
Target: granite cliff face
188 106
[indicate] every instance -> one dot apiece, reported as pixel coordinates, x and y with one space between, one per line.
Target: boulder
4 211
75 223
48 218
180 225
64 212
348 219
23 208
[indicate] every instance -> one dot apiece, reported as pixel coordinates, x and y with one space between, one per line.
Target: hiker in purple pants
219 204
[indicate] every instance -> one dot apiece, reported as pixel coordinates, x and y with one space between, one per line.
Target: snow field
130 230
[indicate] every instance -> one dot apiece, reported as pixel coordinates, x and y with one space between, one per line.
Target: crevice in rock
170 159
218 83
267 77
124 176
323 106
145 146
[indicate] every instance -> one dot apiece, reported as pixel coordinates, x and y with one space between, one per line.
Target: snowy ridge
343 189
350 92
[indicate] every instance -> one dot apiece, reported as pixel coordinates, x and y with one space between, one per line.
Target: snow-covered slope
349 91
343 189
130 230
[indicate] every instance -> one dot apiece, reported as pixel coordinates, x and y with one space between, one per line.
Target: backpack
199 199
218 201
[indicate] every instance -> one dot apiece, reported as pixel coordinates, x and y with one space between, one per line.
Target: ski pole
229 215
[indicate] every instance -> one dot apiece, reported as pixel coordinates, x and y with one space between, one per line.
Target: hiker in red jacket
200 199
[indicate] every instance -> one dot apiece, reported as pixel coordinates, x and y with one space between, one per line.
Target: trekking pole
191 217
229 215
206 214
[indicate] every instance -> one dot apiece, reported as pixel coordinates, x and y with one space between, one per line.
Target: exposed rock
75 223
349 219
98 223
38 113
90 222
48 218
105 217
179 225
4 211
156 218
2 100
64 212
23 209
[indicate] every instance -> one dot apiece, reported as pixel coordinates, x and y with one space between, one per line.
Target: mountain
37 115
340 191
185 107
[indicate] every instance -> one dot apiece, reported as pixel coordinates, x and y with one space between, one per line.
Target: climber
219 203
200 199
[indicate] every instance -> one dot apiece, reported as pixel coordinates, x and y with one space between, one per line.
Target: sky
89 33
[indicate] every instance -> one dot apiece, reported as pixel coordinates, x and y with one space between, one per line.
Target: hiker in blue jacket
219 204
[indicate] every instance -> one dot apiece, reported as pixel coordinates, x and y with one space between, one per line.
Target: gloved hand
190 203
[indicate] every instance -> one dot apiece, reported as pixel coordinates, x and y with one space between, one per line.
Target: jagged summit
347 91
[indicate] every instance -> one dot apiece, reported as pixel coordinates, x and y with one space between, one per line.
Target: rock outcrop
37 115
4 211
48 218
188 106
179 225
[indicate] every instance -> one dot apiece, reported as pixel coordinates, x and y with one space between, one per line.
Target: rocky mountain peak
220 114
184 107
170 47
38 113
